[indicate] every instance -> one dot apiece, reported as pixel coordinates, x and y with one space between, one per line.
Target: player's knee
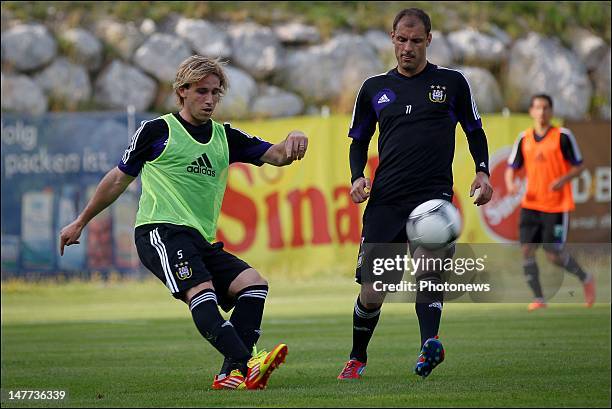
252 277
260 280
370 298
247 278
431 276
555 257
372 305
198 288
528 251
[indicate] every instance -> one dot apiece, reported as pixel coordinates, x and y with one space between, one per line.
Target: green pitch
131 344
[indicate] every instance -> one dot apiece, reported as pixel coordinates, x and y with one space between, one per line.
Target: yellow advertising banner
299 219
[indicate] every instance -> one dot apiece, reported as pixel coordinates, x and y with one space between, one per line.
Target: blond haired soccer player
551 158
183 161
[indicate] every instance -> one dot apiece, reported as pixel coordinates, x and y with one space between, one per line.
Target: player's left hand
296 145
481 181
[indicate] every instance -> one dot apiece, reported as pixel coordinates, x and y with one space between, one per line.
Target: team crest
558 232
437 94
183 271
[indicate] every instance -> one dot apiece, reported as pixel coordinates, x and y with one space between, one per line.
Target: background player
183 161
551 158
417 106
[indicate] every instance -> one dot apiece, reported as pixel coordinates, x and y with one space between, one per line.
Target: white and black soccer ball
434 224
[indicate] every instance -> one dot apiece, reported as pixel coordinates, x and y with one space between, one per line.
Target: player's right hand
360 191
70 235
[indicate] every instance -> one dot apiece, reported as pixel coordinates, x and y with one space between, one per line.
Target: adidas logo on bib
202 166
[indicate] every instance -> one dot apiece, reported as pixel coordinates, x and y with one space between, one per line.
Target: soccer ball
433 224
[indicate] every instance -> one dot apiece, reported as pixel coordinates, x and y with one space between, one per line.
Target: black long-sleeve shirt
417 117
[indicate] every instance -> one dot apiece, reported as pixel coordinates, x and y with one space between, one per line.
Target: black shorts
541 227
181 258
384 224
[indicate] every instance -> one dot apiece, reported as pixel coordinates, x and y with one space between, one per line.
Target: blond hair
193 69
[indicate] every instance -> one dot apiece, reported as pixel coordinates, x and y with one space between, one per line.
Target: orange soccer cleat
589 290
235 380
537 304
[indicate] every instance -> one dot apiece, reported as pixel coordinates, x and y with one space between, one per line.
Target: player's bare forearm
575 171
276 155
509 179
284 153
112 185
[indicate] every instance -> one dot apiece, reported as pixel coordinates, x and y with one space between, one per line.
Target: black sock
428 307
364 322
219 332
247 316
571 266
248 313
532 274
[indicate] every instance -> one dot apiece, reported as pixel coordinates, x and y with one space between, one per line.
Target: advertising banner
295 220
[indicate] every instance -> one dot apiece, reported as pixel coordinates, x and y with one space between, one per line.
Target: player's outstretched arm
481 181
292 148
112 185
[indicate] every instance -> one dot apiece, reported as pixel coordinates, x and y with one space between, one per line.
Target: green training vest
186 183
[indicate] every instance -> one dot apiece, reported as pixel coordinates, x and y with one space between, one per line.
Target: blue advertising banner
51 165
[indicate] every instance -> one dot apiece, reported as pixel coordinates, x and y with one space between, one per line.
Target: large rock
148 27
83 48
28 47
204 37
485 89
590 48
273 102
472 46
65 82
297 34
383 45
7 19
439 51
169 103
21 94
120 85
236 103
161 55
601 77
331 71
256 49
500 34
538 64
123 38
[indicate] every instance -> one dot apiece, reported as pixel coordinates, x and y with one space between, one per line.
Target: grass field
131 345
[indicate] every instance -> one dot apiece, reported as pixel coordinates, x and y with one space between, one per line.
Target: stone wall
284 70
